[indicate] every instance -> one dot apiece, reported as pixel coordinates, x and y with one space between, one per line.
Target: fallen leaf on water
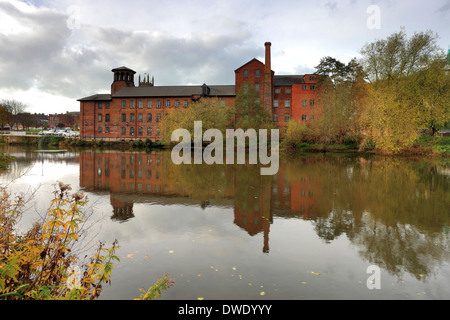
199 275
130 255
240 277
200 298
315 273
303 282
171 251
234 268
262 293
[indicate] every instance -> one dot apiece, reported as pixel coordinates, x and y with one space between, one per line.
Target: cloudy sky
55 52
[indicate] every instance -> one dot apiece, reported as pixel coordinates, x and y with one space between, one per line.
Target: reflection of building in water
133 177
121 210
295 193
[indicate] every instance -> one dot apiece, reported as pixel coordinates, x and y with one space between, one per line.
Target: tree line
398 89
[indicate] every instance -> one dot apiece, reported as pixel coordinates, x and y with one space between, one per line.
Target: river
326 226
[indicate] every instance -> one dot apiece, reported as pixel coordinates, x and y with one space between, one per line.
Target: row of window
140 117
158 104
257 87
131 132
287 103
287 117
289 90
123 173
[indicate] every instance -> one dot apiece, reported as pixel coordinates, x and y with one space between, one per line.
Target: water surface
226 232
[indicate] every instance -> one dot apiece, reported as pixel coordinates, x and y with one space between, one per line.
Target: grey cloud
48 59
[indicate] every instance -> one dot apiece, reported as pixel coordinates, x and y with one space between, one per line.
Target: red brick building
133 112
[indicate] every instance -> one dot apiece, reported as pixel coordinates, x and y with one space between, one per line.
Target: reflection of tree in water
392 209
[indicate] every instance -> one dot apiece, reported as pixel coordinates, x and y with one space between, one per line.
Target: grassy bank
425 146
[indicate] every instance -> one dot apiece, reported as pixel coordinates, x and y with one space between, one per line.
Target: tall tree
208 110
410 88
397 56
14 108
249 112
341 92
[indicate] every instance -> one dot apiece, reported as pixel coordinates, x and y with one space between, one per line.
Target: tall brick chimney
268 80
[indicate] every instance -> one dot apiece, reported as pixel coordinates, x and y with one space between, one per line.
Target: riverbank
425 146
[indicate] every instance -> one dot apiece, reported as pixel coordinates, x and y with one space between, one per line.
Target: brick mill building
133 112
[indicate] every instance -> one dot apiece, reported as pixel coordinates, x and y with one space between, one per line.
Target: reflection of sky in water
210 254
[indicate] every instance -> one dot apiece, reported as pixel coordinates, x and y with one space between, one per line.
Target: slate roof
288 80
97 97
174 91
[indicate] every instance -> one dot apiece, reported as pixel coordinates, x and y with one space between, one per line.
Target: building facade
133 112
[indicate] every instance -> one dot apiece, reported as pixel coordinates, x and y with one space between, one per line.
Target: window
286 117
107 105
131 131
312 87
168 103
158 104
131 104
99 105
288 90
275 117
222 102
287 103
99 129
124 117
257 73
278 90
131 117
149 104
140 131
149 131
312 78
304 87
304 102
123 131
106 129
185 103
304 117
107 117
140 117
312 102
158 117
149 117
141 104
275 103
245 74
124 104
100 117
257 87
177 103
158 131
311 117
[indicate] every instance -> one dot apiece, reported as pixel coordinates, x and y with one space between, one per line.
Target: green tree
341 91
249 112
208 110
409 89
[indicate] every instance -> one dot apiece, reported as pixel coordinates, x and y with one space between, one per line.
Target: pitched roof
288 80
97 97
254 59
174 91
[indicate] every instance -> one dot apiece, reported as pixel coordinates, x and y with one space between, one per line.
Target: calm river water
312 231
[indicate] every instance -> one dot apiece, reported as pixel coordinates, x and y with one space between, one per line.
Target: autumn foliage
40 264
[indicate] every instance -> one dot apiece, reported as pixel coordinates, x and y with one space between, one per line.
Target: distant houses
26 120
